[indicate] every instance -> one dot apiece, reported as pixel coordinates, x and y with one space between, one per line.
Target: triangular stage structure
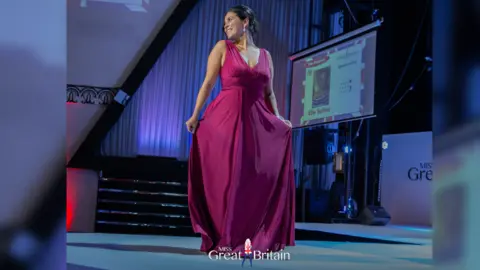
86 157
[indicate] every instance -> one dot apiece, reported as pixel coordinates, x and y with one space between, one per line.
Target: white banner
406 178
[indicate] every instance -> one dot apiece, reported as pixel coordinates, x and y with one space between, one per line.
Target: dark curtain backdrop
153 122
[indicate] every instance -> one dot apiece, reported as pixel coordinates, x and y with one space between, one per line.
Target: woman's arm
269 89
213 68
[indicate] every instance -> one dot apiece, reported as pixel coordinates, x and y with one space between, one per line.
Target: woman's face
233 26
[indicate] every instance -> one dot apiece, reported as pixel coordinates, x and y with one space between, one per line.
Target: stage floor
402 234
87 251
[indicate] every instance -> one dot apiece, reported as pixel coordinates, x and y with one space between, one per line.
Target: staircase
143 196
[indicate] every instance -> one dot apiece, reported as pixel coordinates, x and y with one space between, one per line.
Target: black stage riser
143 196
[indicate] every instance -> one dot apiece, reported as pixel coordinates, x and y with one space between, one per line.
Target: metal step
142 195
143 217
146 168
134 184
139 206
143 228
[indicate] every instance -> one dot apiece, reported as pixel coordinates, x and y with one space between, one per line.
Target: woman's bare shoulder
269 56
221 45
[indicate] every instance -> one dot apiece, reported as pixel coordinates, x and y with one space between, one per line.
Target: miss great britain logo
248 255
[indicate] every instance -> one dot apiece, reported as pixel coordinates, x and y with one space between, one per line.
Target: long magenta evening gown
241 182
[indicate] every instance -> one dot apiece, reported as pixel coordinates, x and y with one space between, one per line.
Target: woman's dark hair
244 12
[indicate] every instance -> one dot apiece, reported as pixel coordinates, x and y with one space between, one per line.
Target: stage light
132 5
338 159
351 208
347 149
384 145
375 15
121 97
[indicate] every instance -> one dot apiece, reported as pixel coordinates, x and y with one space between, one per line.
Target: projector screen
335 82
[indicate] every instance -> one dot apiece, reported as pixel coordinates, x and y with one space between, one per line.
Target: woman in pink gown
241 182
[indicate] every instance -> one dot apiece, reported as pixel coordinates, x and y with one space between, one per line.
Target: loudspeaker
375 216
316 144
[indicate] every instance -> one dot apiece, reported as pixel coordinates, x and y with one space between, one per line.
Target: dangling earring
244 30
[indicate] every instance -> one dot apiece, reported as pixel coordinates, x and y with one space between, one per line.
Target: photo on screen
321 87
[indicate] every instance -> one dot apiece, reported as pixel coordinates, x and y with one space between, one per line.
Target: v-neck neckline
246 62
